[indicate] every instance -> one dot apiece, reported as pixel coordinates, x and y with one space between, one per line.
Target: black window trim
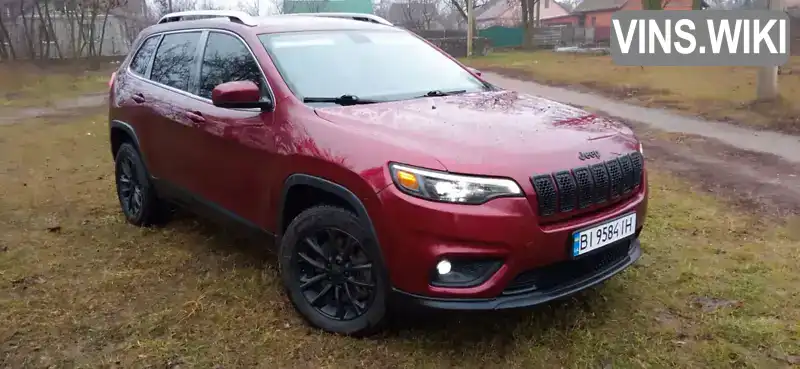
195 79
158 37
202 54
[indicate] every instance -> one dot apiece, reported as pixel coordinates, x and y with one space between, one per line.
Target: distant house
508 13
327 6
597 13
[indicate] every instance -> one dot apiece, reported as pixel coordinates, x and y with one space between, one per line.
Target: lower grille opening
551 277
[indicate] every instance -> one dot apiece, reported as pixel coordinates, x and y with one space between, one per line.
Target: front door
232 145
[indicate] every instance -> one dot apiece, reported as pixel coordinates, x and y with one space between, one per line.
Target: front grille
543 185
565 273
579 188
565 185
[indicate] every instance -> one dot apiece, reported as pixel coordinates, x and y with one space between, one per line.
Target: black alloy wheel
139 202
333 271
335 275
129 188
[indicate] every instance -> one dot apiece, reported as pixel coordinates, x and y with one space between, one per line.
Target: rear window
175 60
142 59
387 65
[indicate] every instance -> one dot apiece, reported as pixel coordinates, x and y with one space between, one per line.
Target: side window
227 59
142 58
175 60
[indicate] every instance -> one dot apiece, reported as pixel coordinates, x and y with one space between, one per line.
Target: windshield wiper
344 100
436 93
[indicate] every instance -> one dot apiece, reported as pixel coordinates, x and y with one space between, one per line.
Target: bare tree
461 6
419 14
252 7
382 8
7 51
161 7
210 5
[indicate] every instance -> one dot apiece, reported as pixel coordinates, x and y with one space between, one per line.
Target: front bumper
559 290
415 234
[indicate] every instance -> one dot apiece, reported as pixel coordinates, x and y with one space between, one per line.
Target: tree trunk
71 21
92 22
26 31
5 35
103 30
52 30
44 39
527 40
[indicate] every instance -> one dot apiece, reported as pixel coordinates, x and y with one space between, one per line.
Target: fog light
463 272
443 267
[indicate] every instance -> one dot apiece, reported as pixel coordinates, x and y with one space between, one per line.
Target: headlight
439 186
641 149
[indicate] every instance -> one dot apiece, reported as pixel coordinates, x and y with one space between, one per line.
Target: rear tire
137 197
333 273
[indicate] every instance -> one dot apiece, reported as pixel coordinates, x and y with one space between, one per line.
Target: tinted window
142 59
226 59
175 60
368 64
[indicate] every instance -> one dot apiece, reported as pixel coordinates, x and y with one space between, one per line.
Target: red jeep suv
386 170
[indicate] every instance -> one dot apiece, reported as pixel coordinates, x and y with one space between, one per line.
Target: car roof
272 24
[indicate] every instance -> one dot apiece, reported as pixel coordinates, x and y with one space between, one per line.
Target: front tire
137 197
332 270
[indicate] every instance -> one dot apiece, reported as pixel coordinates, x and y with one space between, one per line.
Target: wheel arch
120 132
331 188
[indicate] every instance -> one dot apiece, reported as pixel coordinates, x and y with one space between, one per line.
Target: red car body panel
239 160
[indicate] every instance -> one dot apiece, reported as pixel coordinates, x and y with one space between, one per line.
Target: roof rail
355 16
233 15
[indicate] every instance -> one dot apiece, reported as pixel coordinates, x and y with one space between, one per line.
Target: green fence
503 36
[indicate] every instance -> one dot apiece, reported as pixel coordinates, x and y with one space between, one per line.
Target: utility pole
170 6
767 87
470 26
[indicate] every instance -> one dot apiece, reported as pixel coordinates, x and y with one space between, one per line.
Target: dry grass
81 288
723 93
27 85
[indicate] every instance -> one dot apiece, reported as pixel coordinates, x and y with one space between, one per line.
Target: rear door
169 142
129 105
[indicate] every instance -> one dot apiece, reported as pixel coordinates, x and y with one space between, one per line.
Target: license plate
603 234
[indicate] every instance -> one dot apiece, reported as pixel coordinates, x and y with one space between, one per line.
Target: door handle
138 98
195 117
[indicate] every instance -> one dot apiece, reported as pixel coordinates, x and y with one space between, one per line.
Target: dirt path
756 169
62 107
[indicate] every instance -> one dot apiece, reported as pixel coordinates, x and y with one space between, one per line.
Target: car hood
492 133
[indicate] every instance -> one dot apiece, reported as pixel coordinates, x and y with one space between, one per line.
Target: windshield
376 65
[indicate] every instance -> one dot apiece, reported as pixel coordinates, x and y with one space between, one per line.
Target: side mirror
474 71
239 95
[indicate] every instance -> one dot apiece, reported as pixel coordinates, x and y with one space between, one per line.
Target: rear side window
142 59
175 60
227 59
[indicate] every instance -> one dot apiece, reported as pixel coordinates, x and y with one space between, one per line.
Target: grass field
26 85
722 93
79 287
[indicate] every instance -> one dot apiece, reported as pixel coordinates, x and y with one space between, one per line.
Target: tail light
111 81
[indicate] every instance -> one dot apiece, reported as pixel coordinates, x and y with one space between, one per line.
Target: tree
7 51
419 14
460 6
252 7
